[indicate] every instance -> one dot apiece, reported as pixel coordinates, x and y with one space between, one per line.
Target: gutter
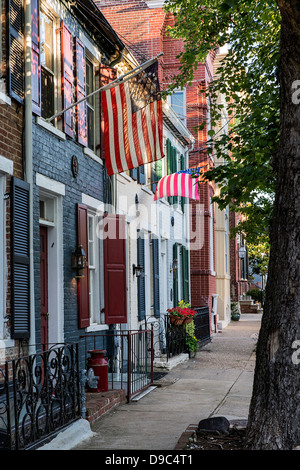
28 173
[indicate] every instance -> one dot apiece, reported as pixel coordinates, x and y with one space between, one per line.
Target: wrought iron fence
129 354
176 334
202 324
39 396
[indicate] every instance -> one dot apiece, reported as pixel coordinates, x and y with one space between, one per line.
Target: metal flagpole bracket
115 82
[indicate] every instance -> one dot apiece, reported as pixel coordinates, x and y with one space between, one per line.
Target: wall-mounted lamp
174 266
242 252
79 261
137 205
137 270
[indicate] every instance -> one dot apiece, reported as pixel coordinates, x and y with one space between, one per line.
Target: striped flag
177 184
133 125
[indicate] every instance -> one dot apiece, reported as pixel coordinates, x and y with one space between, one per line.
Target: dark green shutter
20 260
155 259
141 279
16 60
185 274
175 276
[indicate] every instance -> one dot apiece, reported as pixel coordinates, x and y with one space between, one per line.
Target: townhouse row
56 195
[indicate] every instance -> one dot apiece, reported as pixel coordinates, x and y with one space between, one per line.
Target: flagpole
132 73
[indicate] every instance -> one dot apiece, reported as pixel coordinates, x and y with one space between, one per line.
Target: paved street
217 382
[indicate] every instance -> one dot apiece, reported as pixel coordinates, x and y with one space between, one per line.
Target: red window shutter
81 124
67 78
115 285
35 57
83 283
107 75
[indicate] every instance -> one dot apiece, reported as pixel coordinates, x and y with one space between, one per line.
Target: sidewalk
217 382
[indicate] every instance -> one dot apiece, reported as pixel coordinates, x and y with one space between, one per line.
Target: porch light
242 252
137 270
79 261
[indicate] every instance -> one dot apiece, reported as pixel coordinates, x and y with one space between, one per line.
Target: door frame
55 266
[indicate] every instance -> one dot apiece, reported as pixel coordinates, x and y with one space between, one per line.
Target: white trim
89 46
155 3
4 99
6 165
92 155
93 203
55 271
49 127
51 185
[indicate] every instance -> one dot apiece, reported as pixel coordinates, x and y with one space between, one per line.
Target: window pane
47 42
47 80
177 104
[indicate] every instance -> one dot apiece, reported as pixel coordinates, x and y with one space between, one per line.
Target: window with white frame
95 271
50 74
178 103
92 103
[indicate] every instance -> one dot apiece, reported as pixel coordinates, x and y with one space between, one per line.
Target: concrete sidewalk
217 382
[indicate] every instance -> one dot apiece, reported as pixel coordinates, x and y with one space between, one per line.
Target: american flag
133 126
177 184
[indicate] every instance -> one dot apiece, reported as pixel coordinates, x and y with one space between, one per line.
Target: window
178 104
95 274
48 48
90 88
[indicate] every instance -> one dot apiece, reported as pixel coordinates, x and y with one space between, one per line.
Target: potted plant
235 311
181 314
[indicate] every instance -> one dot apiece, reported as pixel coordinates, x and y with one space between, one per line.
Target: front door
44 286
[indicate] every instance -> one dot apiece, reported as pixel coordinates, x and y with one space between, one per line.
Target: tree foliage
247 79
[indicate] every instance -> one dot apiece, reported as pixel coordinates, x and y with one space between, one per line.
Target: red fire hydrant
99 365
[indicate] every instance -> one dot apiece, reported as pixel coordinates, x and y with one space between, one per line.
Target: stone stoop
248 306
101 403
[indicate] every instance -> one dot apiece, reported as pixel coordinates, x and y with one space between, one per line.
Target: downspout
28 173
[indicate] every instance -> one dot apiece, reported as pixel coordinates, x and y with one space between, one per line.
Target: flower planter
176 320
188 320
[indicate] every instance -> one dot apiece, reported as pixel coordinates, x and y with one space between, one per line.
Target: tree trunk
274 416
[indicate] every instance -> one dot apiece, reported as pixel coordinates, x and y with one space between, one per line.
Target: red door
44 286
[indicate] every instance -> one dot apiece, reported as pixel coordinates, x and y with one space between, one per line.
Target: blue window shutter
20 261
16 59
141 174
155 256
141 279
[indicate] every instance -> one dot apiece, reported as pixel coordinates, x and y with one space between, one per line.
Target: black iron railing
39 396
176 335
202 324
129 354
